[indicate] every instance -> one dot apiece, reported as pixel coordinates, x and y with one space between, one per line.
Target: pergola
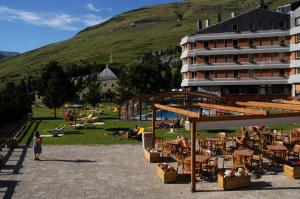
242 113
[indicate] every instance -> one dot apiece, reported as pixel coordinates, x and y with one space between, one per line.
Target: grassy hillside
155 28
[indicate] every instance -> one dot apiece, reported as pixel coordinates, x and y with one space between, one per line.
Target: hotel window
226 74
271 56
206 74
297 38
282 40
206 44
225 43
193 60
194 75
260 41
297 21
260 57
225 28
251 43
185 75
193 46
272 40
206 59
235 28
259 27
216 59
235 43
215 44
235 58
225 58
272 25
251 27
282 24
297 54
251 73
185 61
297 70
251 58
235 73
281 73
282 57
272 72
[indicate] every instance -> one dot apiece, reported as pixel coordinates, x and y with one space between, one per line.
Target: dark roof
107 74
262 19
295 5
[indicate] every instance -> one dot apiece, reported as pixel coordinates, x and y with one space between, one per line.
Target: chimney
199 25
219 17
207 22
232 14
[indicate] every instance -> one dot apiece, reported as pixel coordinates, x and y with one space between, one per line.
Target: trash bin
147 140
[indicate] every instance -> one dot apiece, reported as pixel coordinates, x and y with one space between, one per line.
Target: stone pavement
116 171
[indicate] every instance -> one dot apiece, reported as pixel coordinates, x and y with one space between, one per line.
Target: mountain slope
4 54
127 35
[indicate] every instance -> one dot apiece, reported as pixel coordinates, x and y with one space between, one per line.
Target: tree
54 86
15 103
93 94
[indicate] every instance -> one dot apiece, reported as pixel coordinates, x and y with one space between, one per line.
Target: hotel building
252 55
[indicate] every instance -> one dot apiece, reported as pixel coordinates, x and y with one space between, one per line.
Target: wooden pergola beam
281 106
189 114
233 109
291 102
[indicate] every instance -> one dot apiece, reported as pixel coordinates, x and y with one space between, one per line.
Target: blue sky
29 24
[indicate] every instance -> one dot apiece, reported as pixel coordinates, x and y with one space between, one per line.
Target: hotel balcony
234 81
294 79
234 66
232 35
235 51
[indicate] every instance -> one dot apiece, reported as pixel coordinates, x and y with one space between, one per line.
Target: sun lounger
57 130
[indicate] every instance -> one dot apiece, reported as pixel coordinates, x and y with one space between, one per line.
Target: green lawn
95 134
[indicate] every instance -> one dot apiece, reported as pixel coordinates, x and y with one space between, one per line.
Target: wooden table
200 159
276 148
174 145
278 152
213 142
297 150
241 158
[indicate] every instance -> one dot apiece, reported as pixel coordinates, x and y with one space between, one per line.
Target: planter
166 177
290 171
233 182
152 157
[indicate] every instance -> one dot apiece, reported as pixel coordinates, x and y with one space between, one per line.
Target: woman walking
37 146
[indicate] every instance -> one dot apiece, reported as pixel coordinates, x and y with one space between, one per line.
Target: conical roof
107 74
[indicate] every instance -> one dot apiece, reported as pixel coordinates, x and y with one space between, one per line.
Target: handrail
14 132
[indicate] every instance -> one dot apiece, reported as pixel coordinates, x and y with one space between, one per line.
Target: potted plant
292 169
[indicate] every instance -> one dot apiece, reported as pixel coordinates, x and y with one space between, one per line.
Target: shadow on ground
72 161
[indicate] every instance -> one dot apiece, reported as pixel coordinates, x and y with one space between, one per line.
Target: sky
29 24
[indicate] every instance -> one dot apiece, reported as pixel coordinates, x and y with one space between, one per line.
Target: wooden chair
222 135
179 158
226 155
295 137
158 144
268 139
187 167
211 166
241 162
277 143
167 150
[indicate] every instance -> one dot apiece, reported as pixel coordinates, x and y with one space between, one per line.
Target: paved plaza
116 171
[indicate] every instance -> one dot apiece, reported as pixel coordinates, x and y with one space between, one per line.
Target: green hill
156 27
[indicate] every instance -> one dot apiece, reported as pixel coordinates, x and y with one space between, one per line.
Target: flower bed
166 173
152 155
292 169
233 179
